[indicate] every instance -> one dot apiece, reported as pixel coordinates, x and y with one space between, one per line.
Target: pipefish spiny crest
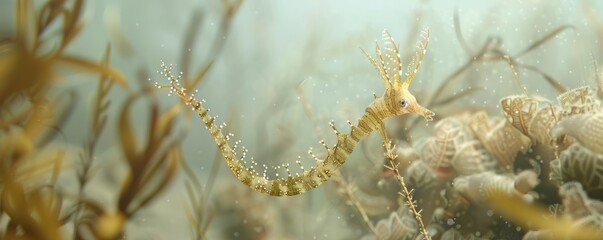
397 100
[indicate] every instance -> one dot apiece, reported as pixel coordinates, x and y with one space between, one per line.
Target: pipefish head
401 101
398 99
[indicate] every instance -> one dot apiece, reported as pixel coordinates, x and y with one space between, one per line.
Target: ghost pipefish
397 100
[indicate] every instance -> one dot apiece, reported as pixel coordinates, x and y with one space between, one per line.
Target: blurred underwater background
91 149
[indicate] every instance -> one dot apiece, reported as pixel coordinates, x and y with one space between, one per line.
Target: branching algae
397 100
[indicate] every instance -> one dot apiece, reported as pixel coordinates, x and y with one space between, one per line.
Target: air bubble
450 222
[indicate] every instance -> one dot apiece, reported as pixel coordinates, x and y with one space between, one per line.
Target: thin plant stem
389 154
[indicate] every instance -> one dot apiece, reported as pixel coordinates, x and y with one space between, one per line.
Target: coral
578 163
439 151
586 128
499 138
395 227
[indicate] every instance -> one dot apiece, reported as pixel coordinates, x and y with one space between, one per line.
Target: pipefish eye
404 103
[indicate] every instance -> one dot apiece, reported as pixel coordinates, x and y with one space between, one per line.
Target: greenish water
282 70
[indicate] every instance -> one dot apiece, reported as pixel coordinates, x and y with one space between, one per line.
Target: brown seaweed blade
543 40
25 65
31 203
490 51
38 222
95 68
530 216
152 167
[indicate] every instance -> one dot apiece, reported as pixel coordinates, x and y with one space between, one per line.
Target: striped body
396 101
309 179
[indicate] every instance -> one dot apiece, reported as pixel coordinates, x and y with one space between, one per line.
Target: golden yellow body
397 100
